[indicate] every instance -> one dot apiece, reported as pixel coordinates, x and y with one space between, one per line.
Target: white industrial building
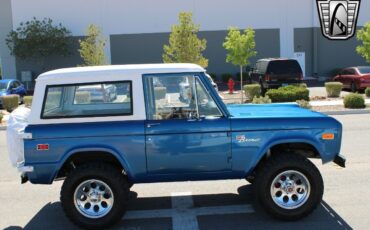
137 30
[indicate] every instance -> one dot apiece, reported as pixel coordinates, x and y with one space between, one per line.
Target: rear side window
88 100
284 67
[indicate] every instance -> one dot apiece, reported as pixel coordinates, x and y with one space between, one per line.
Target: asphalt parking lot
208 204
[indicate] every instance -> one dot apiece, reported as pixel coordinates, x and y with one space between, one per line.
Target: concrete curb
350 112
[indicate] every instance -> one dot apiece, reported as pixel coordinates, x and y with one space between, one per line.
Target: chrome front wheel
288 186
290 189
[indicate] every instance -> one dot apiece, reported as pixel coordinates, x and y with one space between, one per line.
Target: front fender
249 147
273 143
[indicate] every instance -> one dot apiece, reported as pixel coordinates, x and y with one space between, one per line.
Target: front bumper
340 160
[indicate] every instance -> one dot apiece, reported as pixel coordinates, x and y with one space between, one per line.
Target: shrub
27 100
288 94
261 100
367 92
39 39
160 92
304 104
10 102
333 89
225 77
1 117
82 97
354 101
252 91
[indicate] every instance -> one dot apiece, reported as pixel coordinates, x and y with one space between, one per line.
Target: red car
354 78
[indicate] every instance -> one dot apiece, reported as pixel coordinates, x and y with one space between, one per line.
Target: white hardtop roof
95 71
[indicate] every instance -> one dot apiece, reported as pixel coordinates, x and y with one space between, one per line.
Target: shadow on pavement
51 216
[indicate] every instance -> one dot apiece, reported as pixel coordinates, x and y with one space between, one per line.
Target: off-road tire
98 171
274 166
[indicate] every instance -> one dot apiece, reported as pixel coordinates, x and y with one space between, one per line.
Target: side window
206 105
351 71
178 97
88 100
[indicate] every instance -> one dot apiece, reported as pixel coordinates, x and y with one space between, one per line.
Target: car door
186 132
346 78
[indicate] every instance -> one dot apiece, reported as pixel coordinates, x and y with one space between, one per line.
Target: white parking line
183 213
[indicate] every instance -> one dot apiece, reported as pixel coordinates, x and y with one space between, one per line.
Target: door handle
152 124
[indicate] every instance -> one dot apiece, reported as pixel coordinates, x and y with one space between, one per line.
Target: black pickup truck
276 72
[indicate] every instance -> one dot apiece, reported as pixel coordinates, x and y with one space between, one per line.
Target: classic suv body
152 148
161 123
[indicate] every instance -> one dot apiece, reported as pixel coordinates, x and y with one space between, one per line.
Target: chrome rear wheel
93 198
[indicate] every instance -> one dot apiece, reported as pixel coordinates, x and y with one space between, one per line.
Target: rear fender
105 149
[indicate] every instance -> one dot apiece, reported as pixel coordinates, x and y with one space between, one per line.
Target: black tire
354 87
277 164
106 173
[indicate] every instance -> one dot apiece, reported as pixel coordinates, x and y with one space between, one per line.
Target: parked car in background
100 93
354 78
276 72
12 86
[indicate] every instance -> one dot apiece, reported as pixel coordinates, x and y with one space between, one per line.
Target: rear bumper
340 160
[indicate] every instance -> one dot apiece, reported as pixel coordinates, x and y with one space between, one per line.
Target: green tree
92 47
240 47
39 39
184 44
363 35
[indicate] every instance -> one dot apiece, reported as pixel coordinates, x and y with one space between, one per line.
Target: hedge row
288 94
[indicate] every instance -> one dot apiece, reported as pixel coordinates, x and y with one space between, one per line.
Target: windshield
364 70
3 86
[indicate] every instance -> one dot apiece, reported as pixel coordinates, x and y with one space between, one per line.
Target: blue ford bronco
103 129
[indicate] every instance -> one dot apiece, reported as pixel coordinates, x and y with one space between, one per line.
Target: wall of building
7 61
38 66
326 55
148 48
137 29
